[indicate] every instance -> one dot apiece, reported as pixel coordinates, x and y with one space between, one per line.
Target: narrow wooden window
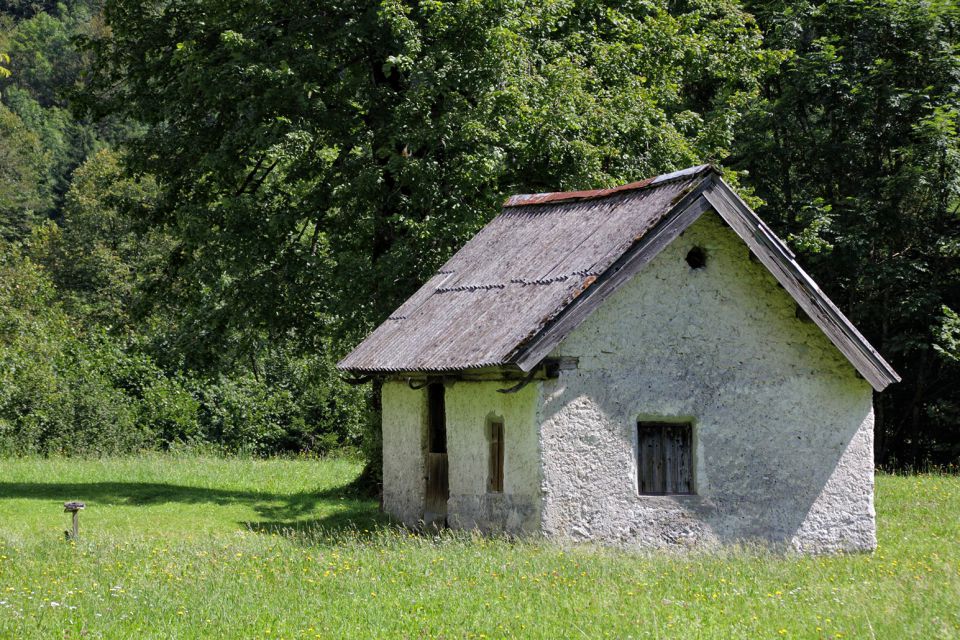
495 481
437 417
664 458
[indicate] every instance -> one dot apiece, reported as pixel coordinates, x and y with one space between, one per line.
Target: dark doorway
438 490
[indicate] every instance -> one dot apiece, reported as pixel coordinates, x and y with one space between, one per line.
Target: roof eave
396 371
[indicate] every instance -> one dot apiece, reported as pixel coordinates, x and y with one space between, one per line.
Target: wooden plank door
438 489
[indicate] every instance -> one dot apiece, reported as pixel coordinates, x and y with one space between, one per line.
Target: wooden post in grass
74 508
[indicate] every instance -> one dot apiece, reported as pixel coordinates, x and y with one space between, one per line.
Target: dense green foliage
317 164
22 160
85 392
186 547
93 361
855 151
221 198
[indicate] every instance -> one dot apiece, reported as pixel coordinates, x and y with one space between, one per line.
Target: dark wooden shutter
495 482
664 458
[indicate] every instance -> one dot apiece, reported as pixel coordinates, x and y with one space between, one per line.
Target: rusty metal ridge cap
528 199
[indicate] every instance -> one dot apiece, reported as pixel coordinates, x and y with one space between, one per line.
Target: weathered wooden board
664 458
438 488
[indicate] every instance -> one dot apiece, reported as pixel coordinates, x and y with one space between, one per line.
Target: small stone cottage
646 365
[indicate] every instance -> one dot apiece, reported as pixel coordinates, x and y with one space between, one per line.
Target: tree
85 367
854 149
27 8
46 66
58 391
318 161
44 58
22 161
97 255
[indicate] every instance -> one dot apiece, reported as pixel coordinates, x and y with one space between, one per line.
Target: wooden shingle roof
537 270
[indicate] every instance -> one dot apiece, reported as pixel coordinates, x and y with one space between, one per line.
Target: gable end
685 213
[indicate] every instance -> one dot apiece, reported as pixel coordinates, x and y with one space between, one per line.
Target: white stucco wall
404 438
783 428
470 406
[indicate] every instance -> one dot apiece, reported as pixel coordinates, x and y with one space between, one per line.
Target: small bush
244 415
171 412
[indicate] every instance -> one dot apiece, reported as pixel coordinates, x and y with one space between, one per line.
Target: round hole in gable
697 258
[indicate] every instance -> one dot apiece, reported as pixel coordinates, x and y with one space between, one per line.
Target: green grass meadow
191 547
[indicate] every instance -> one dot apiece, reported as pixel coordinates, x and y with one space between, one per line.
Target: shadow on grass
351 508
355 521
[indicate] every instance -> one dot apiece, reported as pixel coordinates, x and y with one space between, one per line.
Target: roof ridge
527 199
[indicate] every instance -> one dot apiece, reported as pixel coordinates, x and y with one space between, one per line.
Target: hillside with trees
203 205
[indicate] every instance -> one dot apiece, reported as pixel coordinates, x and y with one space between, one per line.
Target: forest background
205 203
